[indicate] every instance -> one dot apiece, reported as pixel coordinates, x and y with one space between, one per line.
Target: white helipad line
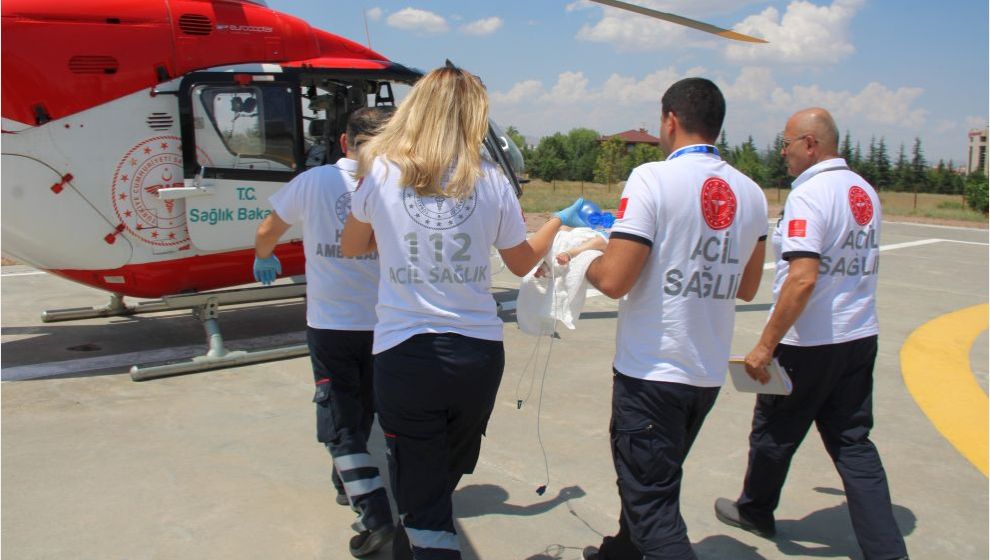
113 361
35 273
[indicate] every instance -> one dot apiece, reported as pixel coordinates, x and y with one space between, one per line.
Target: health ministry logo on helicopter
150 134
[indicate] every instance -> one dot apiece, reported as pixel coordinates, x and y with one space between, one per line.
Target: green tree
611 161
977 196
775 172
723 148
581 147
901 170
917 178
746 159
881 166
867 167
846 149
549 160
640 154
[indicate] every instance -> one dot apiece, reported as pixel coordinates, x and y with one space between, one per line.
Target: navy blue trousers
833 388
435 394
654 424
343 371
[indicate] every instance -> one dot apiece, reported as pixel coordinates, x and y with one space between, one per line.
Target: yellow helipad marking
935 366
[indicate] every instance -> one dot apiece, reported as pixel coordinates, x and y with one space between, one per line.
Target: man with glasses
823 330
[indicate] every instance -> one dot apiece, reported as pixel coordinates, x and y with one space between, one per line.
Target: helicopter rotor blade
680 20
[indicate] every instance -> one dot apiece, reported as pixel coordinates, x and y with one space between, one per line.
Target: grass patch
541 196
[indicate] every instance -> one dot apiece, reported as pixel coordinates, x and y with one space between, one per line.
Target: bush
977 196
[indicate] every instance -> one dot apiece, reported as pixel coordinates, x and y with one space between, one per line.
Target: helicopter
142 139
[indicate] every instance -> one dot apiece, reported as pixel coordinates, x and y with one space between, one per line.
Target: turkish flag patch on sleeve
797 228
622 208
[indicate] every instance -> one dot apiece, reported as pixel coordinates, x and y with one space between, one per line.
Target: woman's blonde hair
435 136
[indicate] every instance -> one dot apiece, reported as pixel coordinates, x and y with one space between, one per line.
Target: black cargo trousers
833 389
435 394
343 372
653 426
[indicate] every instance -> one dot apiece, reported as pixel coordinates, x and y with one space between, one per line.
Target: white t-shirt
340 291
435 263
832 214
703 219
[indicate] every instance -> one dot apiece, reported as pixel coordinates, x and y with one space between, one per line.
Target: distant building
978 151
633 137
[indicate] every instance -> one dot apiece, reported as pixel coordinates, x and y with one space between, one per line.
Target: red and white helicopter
142 139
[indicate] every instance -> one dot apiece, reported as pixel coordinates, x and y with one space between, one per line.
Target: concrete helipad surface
225 464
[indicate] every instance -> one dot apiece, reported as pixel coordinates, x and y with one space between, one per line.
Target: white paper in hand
779 384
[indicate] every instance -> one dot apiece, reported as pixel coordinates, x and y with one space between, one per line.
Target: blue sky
892 69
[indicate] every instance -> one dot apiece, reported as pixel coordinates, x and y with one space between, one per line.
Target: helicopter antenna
681 20
367 34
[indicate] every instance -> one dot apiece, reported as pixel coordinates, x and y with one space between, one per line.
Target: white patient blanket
559 295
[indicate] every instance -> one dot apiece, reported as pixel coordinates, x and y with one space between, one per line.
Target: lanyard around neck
707 149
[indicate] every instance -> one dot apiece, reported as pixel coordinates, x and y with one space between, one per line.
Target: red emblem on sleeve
797 228
861 205
622 208
718 203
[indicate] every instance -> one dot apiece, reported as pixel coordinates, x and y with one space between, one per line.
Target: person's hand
564 258
267 269
756 363
571 216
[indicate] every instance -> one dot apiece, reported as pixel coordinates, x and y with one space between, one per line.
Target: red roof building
633 137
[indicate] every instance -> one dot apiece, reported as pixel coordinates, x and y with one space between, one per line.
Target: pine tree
723 148
917 179
882 163
901 170
776 166
846 150
746 159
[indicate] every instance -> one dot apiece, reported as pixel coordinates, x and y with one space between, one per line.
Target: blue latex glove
571 216
266 270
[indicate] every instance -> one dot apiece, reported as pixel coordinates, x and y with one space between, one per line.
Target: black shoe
367 542
342 499
727 512
590 553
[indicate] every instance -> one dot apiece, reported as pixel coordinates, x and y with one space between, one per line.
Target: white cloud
805 34
423 21
757 105
374 14
523 92
481 27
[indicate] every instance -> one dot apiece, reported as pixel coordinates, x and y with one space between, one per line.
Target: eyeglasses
787 141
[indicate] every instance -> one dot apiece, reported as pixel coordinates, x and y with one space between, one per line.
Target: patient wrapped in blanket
555 290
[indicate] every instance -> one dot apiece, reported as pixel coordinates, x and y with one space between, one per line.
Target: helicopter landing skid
206 308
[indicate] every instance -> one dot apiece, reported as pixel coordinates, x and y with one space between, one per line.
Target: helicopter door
242 133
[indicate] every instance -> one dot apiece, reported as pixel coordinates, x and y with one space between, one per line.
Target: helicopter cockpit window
245 127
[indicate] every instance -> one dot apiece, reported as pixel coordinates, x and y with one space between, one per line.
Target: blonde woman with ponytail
433 207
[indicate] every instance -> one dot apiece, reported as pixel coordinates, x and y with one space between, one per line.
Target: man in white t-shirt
341 294
689 239
823 330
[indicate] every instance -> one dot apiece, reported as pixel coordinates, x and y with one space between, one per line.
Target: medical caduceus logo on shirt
861 205
438 211
718 203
